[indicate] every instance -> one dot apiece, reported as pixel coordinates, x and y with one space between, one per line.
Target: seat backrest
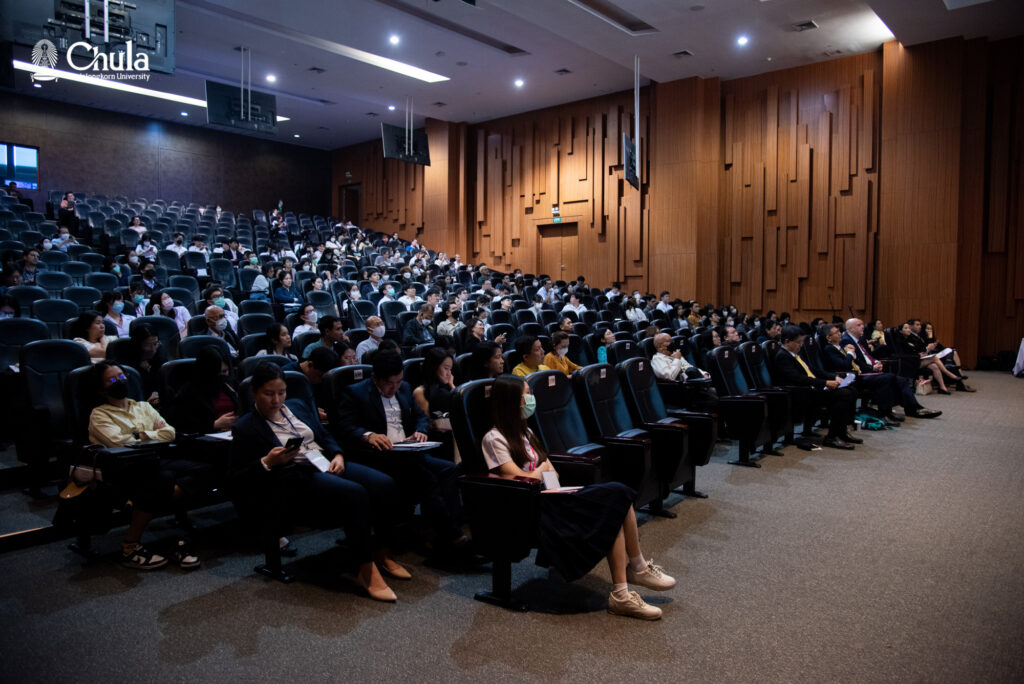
811 353
755 369
557 420
411 370
15 333
165 328
54 282
337 379
174 375
390 311
770 349
249 364
602 403
250 324
78 270
104 282
255 306
45 366
189 347
622 350
79 399
471 419
323 302
54 312
725 371
640 388
84 297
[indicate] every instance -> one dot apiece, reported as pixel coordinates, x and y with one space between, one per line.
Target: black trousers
881 386
423 479
839 403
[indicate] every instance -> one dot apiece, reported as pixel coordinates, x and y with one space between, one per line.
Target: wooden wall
84 149
798 192
886 183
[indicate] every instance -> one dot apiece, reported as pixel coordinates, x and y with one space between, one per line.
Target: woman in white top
146 249
278 342
161 304
111 306
261 285
577 529
137 226
88 330
633 312
309 317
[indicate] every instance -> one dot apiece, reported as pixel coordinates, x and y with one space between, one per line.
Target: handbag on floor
923 387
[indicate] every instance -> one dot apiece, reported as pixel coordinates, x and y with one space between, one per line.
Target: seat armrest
626 440
666 425
585 459
513 481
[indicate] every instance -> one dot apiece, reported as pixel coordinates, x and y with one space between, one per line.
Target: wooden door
558 251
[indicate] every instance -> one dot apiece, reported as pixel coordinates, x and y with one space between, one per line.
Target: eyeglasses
113 380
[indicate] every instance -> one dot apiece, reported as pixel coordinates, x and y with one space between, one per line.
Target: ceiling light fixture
391 108
38 85
113 85
519 83
742 40
296 135
271 78
394 39
184 113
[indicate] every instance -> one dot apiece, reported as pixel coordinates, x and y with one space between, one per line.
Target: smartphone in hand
293 444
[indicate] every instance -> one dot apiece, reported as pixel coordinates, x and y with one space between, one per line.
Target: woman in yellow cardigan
557 358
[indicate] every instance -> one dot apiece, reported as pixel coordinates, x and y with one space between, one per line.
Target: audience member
112 308
89 331
277 342
557 358
531 354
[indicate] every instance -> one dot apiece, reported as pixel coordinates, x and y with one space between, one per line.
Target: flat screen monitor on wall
19 163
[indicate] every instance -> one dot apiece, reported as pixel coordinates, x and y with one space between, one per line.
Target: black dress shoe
892 424
892 417
837 443
942 391
925 413
847 437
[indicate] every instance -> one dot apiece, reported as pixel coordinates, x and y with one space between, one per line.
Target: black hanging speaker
6 68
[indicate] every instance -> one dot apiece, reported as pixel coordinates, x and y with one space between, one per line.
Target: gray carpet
900 561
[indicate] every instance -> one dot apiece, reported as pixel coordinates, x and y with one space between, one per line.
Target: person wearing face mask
9 307
419 330
161 304
147 275
214 296
309 319
138 299
112 308
118 421
604 510
451 326
64 239
388 290
177 245
217 326
208 402
557 358
375 326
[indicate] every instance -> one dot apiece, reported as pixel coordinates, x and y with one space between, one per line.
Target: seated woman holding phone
281 453
580 527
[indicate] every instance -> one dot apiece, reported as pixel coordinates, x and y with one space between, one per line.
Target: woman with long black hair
576 529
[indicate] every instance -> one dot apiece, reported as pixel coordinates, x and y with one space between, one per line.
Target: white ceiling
329 109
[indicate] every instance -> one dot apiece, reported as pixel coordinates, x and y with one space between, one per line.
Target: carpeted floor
902 560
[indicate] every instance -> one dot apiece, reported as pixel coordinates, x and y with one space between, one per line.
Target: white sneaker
633 606
652 577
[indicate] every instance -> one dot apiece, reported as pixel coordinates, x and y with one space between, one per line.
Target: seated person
209 401
214 296
792 370
670 366
557 358
379 412
88 330
374 326
603 339
908 343
487 361
315 366
418 330
346 354
118 421
286 295
331 333
604 510
217 326
434 397
769 331
277 342
312 479
531 351
161 304
574 305
409 297
146 356
309 317
112 308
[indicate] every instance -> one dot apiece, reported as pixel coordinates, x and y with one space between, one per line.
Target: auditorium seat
84 297
165 328
54 312
189 347
25 296
746 415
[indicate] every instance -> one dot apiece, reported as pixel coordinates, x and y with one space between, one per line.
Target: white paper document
414 446
318 460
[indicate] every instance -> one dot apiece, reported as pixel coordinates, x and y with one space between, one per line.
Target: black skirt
577 530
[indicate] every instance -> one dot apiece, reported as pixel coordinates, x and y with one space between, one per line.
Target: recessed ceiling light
184 113
296 135
37 85
742 40
394 39
271 78
391 108
519 83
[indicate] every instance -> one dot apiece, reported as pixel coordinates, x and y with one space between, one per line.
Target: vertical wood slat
751 150
867 112
771 248
864 245
771 153
481 176
830 279
730 132
792 123
821 170
803 211
736 216
1000 168
783 215
757 222
517 203
841 144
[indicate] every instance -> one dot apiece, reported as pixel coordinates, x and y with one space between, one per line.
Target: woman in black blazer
312 479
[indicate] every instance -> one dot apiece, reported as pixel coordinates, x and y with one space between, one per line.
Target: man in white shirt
574 305
668 366
409 298
198 246
374 326
178 245
663 304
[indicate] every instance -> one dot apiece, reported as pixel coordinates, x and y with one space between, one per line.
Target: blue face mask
390 291
219 301
529 407
139 299
116 270
117 307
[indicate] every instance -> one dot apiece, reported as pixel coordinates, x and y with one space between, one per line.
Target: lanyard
294 430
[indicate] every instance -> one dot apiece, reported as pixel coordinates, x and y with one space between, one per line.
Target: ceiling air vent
808 25
682 53
372 114
563 72
440 104
316 70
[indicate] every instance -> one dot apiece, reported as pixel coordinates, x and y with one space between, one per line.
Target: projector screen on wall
19 163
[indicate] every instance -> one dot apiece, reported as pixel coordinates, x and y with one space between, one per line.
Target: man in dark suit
376 414
842 359
854 336
418 330
790 369
217 326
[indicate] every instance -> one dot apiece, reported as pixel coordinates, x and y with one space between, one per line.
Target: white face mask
311 317
562 352
221 325
378 332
